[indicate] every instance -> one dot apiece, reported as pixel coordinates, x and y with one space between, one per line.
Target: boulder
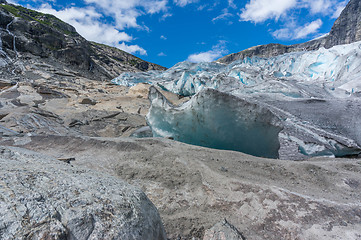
88 101
44 198
140 90
223 231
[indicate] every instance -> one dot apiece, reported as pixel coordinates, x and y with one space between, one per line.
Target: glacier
202 118
313 97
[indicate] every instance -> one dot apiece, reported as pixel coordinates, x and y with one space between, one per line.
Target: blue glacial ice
314 96
204 120
335 70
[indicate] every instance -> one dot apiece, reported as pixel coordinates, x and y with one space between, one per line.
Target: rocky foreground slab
44 198
195 188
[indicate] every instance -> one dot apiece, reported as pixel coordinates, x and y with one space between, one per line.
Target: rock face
43 198
223 231
47 194
24 31
195 188
346 29
272 49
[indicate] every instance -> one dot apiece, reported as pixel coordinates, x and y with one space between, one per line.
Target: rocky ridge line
346 29
28 34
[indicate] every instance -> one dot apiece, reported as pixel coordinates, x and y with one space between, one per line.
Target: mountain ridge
346 29
67 144
27 32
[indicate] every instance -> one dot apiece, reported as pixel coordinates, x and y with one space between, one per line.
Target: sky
170 31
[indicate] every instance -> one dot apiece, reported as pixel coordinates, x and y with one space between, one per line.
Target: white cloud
217 51
163 37
12 1
288 13
131 48
339 7
223 16
162 54
155 6
231 4
294 32
318 6
87 22
260 10
332 8
166 15
308 29
126 12
283 34
183 3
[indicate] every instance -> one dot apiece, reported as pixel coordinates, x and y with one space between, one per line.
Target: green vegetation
14 11
107 46
31 15
133 62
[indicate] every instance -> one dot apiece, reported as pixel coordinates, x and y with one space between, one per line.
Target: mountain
29 34
289 102
346 29
291 106
67 142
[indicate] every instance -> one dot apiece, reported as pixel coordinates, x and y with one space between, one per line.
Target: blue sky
169 31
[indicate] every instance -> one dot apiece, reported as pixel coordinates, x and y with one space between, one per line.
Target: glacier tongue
335 71
221 120
314 95
205 121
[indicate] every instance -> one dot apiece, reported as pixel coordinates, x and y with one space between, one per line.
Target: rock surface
194 188
43 198
56 106
346 29
223 231
42 35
